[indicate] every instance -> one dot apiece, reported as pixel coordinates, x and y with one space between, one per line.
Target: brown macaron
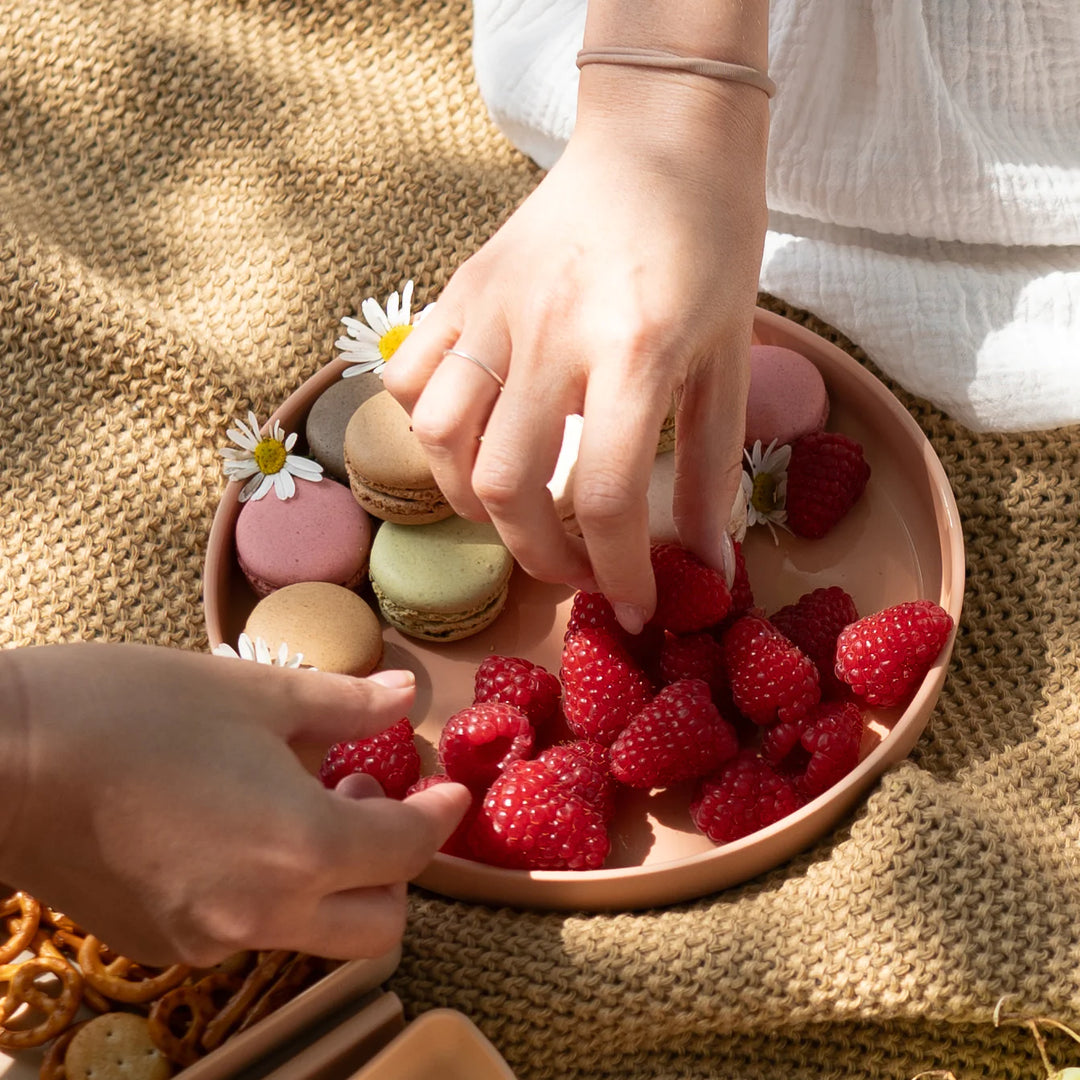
388 470
330 415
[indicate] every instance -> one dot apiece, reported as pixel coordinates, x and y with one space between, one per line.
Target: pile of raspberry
753 714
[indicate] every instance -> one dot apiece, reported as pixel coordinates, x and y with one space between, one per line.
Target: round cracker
115 1046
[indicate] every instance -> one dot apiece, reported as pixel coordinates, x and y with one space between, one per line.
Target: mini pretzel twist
179 1017
266 970
21 928
57 1010
122 979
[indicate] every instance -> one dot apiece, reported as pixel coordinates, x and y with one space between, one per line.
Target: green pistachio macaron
440 582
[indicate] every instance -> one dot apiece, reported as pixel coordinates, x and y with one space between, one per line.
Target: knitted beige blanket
192 194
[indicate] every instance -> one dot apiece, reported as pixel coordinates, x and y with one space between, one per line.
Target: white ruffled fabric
923 184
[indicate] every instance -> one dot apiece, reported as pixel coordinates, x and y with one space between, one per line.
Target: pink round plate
902 541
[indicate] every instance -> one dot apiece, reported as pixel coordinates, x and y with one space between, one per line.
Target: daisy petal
375 316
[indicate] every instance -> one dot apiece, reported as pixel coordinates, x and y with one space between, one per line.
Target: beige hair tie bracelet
695 65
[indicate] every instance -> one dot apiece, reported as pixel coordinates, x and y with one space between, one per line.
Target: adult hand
155 797
628 276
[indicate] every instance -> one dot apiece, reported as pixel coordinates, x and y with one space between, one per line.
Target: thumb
321 706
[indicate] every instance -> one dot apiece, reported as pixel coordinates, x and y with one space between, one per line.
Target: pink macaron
320 534
787 396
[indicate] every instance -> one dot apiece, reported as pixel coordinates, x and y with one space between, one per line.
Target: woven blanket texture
192 195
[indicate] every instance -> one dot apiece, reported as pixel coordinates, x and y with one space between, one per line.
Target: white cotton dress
923 181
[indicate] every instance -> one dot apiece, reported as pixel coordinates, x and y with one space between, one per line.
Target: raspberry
778 741
456 843
744 795
593 611
478 742
390 757
771 679
584 768
883 656
515 681
602 687
530 821
742 596
680 735
832 738
826 476
690 596
812 624
693 656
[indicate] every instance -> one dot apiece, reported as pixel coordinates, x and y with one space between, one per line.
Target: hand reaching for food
155 796
627 279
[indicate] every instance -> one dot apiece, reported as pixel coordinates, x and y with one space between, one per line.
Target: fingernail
727 557
630 617
394 680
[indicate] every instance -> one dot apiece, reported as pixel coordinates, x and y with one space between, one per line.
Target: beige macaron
331 627
388 470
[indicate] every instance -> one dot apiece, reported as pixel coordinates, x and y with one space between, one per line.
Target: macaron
332 627
787 397
320 534
440 582
387 468
330 415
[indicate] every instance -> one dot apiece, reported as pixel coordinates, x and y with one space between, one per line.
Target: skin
627 278
156 797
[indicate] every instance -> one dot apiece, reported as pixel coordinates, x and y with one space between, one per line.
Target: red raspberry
602 687
883 656
515 681
745 795
812 624
690 596
693 656
478 742
742 595
390 756
680 735
771 679
826 476
832 738
779 740
593 611
584 768
456 843
530 821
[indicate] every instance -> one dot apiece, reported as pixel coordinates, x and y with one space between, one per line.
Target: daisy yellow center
389 342
763 496
270 456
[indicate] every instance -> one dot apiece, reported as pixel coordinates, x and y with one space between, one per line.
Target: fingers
323 707
419 354
708 457
378 841
618 446
356 924
451 415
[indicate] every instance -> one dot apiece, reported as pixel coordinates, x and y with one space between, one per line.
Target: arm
629 275
153 795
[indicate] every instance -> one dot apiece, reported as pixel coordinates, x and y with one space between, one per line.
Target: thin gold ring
479 363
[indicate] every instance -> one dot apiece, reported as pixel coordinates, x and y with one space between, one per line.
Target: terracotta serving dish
901 542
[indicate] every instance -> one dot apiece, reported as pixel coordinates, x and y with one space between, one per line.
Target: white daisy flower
739 512
370 344
259 651
265 462
765 486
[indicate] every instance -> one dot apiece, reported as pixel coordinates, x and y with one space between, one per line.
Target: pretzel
178 1018
52 917
266 970
296 974
122 979
52 1064
57 1010
22 928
